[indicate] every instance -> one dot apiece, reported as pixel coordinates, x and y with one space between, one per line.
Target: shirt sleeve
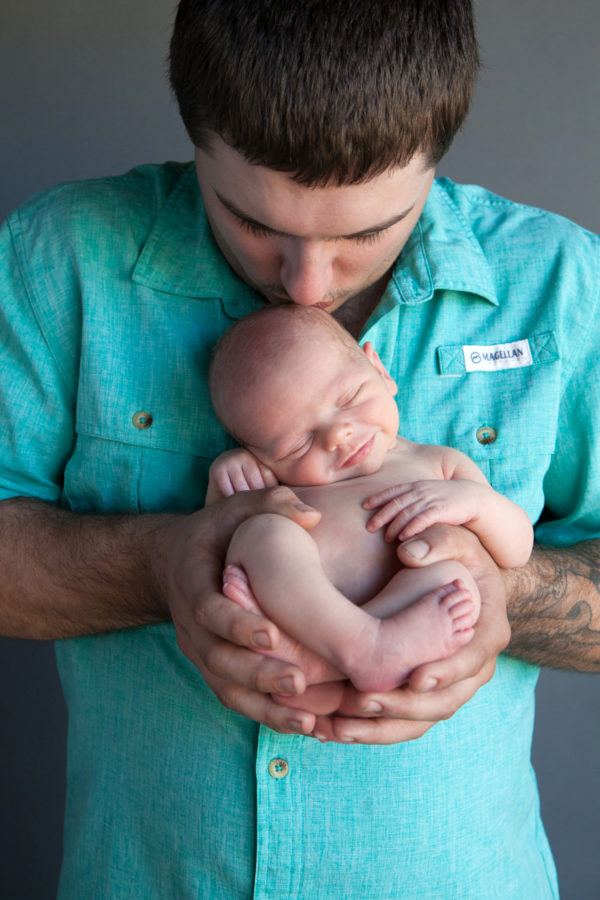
36 402
572 483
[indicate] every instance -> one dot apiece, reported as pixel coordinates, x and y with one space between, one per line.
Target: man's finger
230 621
407 706
377 731
437 543
226 515
229 663
261 708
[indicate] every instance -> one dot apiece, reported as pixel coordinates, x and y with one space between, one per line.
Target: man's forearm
65 574
554 607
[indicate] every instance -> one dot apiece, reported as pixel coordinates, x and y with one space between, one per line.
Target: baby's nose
337 435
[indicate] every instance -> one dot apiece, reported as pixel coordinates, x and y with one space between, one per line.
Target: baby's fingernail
430 684
286 685
302 507
373 707
261 639
416 549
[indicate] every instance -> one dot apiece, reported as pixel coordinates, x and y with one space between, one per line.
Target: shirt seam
30 294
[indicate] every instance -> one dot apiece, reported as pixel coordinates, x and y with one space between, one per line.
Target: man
115 293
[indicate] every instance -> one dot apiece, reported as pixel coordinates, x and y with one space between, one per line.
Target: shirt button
142 420
486 434
278 768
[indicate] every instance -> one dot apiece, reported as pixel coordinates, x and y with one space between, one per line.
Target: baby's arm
462 497
235 471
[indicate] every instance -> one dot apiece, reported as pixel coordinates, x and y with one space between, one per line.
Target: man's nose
307 271
337 434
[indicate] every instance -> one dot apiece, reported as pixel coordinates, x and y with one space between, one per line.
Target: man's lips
359 454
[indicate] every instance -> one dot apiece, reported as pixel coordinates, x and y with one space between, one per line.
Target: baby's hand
408 509
239 470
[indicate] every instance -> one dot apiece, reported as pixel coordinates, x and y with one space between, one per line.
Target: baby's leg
323 696
426 614
282 564
285 573
443 605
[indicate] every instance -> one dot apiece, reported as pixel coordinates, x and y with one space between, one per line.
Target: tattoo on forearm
554 608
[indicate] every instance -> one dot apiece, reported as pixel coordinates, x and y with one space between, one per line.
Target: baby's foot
237 588
431 628
458 602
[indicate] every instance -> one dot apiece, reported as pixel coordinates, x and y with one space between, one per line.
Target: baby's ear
373 357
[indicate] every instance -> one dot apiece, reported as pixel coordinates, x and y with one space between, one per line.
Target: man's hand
436 690
216 634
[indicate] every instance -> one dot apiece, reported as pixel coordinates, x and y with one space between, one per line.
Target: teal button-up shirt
112 295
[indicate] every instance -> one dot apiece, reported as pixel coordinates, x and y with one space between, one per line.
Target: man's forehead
275 201
369 229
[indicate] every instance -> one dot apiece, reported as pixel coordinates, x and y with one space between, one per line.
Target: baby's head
291 385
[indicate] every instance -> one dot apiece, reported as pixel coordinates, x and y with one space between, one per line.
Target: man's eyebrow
382 226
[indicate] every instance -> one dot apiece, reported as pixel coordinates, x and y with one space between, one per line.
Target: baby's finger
384 515
398 513
238 480
254 477
224 482
417 522
386 494
395 529
269 477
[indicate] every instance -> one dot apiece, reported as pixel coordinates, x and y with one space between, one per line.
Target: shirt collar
181 256
442 253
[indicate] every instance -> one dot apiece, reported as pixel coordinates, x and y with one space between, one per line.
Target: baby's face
327 414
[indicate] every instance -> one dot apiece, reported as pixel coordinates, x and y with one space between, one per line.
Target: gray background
83 92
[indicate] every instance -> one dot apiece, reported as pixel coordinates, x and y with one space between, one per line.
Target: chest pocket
505 420
146 432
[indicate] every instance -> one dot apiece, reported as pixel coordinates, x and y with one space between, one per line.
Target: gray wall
83 93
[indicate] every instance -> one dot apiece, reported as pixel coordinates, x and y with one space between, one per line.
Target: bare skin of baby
315 411
305 580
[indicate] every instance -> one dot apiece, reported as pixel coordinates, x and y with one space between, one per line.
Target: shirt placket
279 816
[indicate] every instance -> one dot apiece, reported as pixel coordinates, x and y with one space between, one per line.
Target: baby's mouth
358 455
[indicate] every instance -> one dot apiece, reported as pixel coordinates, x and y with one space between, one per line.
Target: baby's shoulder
418 460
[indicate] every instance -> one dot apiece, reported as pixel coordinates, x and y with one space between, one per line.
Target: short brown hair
333 91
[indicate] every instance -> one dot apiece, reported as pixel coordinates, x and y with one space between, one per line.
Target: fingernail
261 639
347 739
303 507
430 684
320 737
416 549
373 707
286 685
296 725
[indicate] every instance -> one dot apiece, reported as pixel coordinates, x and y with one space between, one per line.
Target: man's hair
332 91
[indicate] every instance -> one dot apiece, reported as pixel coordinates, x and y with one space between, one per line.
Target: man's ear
373 357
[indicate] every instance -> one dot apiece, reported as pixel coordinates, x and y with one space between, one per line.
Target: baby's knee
268 535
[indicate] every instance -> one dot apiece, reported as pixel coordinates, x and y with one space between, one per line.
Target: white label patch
497 356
